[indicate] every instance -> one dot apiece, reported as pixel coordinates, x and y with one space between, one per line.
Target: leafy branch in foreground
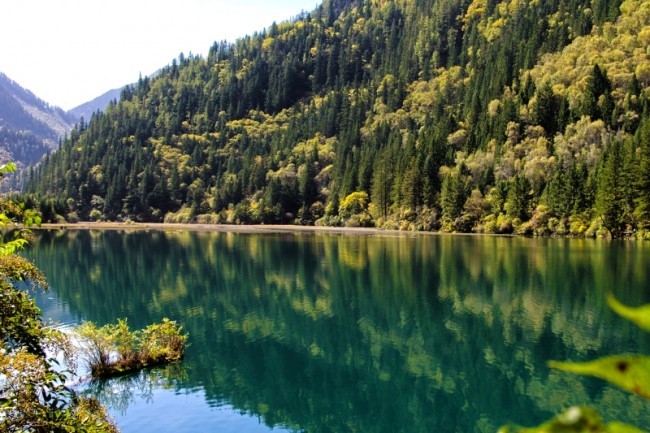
630 372
33 394
578 420
15 220
114 349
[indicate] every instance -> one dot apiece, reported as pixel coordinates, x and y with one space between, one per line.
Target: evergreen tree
382 184
452 197
642 211
517 203
610 195
598 102
546 110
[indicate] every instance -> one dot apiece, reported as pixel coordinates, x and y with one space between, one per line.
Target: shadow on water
332 333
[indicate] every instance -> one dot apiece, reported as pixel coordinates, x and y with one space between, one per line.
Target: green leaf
619 427
576 420
630 372
639 315
9 167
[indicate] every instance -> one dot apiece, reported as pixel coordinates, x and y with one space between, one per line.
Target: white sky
68 52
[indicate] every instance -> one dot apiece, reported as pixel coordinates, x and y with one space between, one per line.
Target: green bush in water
114 349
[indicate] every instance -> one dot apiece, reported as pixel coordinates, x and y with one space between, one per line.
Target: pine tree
452 197
546 110
610 195
597 99
517 203
382 183
642 211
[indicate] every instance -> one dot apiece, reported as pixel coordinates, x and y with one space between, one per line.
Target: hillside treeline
489 116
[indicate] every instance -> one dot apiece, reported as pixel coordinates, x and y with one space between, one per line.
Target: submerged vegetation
113 350
512 116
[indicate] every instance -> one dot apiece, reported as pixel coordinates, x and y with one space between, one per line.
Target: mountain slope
454 114
99 103
28 126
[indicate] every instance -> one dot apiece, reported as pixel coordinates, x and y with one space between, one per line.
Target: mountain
512 116
87 109
29 127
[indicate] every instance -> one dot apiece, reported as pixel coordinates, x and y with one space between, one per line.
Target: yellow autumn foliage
622 49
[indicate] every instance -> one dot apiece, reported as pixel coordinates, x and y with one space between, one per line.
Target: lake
321 332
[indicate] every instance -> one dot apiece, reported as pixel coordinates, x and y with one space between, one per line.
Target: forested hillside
491 116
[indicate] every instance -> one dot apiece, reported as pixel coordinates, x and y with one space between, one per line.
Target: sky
68 52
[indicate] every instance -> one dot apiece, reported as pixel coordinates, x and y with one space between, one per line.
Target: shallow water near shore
326 332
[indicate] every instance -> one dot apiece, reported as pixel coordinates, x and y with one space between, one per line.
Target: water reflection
329 333
120 392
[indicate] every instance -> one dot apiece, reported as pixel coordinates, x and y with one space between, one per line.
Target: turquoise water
338 333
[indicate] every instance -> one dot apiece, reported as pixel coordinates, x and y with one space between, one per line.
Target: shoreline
226 228
274 229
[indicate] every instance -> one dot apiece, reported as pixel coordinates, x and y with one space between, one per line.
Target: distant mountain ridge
29 126
87 109
22 110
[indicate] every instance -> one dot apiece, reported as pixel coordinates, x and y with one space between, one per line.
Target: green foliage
577 420
354 203
638 315
20 318
611 203
35 399
7 168
629 372
385 98
34 395
598 103
114 349
642 140
354 210
546 109
15 220
453 196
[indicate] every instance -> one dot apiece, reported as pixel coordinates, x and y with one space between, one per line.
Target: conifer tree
642 138
610 195
452 196
517 202
546 110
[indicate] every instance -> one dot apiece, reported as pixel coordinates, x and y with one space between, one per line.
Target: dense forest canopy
484 115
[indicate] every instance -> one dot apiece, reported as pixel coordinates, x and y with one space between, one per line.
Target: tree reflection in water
334 333
118 393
